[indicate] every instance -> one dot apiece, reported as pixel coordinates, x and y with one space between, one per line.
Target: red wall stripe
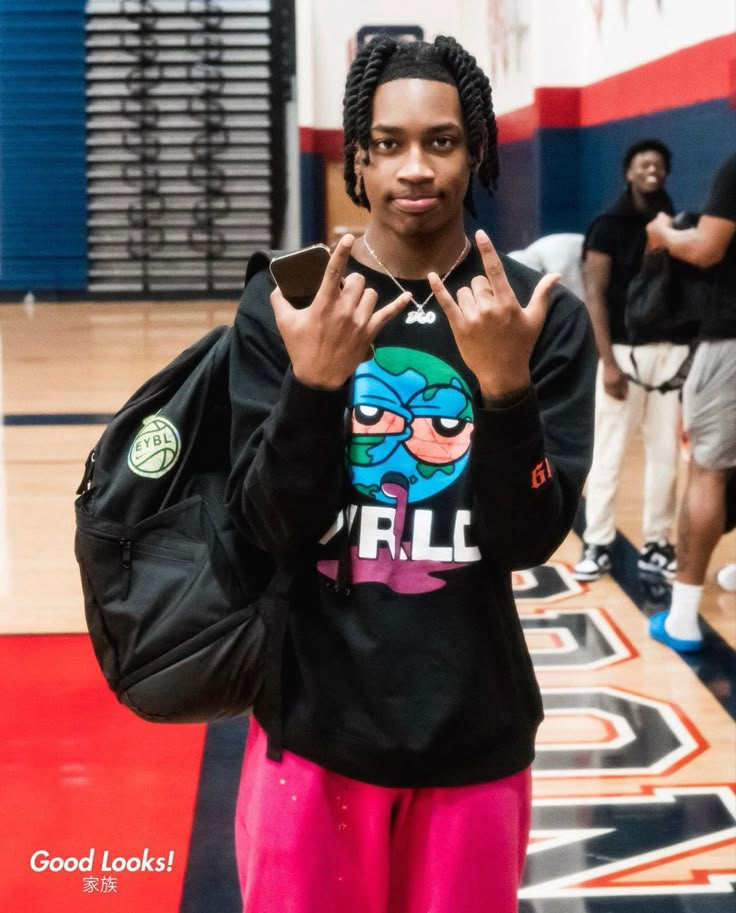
327 143
689 76
517 125
700 73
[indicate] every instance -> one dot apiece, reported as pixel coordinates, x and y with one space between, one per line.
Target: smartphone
299 275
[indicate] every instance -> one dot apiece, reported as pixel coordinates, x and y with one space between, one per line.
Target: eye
384 145
373 420
448 427
368 415
443 143
439 441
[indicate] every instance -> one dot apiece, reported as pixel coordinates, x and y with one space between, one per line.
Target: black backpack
668 298
186 617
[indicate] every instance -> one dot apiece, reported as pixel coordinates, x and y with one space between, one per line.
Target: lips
415 204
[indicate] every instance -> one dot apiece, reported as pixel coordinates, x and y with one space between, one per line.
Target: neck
646 202
410 257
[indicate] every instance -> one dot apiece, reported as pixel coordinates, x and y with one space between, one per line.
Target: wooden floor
639 740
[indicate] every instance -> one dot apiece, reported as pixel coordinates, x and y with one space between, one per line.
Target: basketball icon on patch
155 449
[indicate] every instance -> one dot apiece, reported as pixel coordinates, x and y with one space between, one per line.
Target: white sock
682 621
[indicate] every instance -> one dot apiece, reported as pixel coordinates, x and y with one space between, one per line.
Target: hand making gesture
494 334
328 340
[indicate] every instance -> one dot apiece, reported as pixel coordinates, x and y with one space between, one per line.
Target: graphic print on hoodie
411 427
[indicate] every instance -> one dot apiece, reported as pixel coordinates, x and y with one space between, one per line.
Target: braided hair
384 59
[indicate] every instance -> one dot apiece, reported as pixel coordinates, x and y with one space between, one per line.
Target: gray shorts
709 404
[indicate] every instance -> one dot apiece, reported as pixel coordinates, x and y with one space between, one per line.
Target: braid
357 103
476 103
384 59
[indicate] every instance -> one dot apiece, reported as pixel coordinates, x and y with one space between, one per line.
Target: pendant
420 317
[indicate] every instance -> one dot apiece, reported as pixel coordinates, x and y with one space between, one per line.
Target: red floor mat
84 779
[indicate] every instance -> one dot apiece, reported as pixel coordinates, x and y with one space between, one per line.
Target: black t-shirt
720 321
620 232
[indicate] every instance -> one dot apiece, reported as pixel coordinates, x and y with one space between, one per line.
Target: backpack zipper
126 546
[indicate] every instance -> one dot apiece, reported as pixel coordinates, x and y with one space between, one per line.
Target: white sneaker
726 577
658 558
594 562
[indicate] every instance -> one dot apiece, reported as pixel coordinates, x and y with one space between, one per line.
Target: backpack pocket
148 591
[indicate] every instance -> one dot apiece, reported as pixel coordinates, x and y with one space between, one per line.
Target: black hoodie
419 674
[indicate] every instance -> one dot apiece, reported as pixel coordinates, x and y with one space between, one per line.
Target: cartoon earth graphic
412 421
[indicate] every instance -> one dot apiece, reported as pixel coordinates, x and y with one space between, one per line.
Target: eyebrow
436 128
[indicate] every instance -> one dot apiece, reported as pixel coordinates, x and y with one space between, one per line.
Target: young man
612 255
402 453
709 408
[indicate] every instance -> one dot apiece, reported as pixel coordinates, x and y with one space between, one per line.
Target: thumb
281 307
537 307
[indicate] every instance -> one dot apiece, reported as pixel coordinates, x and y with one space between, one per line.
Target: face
647 172
419 165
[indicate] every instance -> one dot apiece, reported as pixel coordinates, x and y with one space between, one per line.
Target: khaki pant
657 415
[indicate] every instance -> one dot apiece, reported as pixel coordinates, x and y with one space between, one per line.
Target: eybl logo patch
156 448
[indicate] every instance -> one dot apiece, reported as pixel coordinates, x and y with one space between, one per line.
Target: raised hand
656 229
328 340
494 334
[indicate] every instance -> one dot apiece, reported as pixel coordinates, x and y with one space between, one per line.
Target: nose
415 166
653 168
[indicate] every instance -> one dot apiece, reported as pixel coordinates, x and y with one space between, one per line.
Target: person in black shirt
709 405
402 444
612 254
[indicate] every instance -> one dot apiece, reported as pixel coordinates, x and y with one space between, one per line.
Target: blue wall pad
43 233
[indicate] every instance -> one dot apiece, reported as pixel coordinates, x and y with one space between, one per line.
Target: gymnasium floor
634 801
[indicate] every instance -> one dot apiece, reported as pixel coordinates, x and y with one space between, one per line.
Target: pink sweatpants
311 841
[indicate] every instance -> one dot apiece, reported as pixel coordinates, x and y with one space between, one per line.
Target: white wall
326 30
632 32
521 44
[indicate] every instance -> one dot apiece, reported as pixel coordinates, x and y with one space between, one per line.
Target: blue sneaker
658 631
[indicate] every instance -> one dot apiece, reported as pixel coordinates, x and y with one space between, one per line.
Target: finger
387 313
366 305
281 307
444 299
537 308
352 288
335 271
466 300
492 265
481 288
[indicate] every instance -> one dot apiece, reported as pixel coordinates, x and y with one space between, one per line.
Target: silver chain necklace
418 315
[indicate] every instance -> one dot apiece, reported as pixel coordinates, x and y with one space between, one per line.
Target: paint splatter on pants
311 841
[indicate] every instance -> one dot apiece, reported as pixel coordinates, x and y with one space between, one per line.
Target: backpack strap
273 608
672 383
